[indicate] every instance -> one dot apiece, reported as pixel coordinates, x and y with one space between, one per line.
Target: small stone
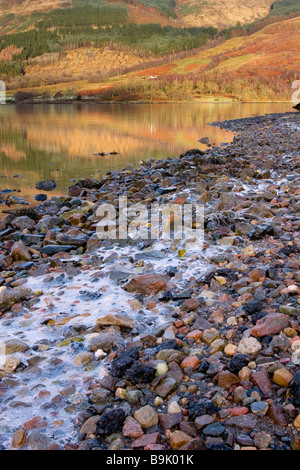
210 335
276 415
190 361
10 365
158 401
147 284
133 396
117 444
245 374
146 416
90 425
20 252
270 325
230 350
161 368
262 441
287 310
121 393
295 443
249 346
178 439
18 439
132 428
261 379
297 422
214 430
16 345
247 422
259 408
146 440
282 377
168 421
202 421
173 407
116 320
83 358
226 379
166 387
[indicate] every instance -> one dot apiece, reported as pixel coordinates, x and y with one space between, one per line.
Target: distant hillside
217 13
45 43
260 67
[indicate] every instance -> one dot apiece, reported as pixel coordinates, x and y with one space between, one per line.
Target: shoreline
74 101
217 367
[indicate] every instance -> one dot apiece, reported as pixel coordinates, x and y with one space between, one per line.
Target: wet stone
166 387
146 416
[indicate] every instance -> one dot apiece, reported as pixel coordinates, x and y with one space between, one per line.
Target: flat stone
39 441
168 421
247 422
116 320
46 185
262 380
146 440
16 345
54 249
204 420
226 379
90 426
194 444
270 325
147 284
214 430
190 361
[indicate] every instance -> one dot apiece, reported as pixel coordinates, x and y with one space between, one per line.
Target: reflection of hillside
59 142
11 151
94 129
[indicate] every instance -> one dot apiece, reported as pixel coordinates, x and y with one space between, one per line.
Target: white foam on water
60 308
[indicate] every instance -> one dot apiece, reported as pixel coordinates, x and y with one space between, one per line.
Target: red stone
195 444
146 440
239 411
195 334
190 305
132 428
277 415
31 424
190 361
270 325
147 284
226 379
262 380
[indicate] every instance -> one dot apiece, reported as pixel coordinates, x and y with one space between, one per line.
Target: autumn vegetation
86 42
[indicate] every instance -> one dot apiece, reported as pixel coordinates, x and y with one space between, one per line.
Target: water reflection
60 141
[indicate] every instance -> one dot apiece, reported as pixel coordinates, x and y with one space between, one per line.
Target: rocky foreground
141 345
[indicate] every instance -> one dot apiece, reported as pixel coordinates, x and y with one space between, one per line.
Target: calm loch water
60 141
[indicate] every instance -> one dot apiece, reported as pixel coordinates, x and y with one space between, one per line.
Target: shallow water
60 141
